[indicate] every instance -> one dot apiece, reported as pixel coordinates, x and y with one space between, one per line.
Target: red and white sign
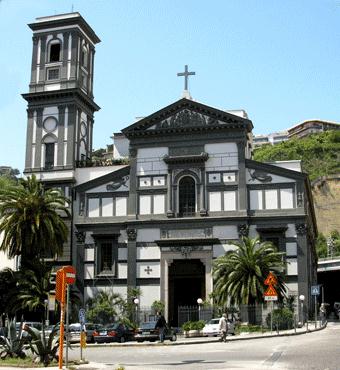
70 274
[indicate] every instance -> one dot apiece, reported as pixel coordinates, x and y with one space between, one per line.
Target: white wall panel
146 252
291 249
88 271
291 232
214 177
122 270
292 266
89 254
252 231
154 266
151 293
148 235
122 253
150 161
122 237
225 232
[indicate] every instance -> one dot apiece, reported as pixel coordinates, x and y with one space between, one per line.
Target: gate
193 313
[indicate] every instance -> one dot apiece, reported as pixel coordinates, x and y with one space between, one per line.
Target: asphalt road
314 351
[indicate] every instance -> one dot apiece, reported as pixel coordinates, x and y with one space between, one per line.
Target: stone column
208 277
132 257
132 201
164 284
242 180
302 259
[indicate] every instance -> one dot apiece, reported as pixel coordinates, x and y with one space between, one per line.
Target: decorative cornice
186 250
195 158
187 242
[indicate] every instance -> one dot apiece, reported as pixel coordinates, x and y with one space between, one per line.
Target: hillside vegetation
319 153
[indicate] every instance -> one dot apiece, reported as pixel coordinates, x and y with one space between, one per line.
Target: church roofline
183 103
61 20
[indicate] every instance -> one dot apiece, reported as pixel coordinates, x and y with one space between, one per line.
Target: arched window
186 196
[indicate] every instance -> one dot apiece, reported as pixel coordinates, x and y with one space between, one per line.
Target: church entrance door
186 284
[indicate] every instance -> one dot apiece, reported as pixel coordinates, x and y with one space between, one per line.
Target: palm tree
31 220
239 275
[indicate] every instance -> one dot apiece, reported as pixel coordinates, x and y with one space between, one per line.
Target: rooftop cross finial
186 74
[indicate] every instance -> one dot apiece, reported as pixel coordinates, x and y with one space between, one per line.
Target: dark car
147 331
90 329
116 332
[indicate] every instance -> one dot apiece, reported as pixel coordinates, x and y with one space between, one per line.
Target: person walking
160 325
223 327
323 313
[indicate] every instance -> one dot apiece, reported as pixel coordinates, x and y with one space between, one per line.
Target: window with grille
49 156
53 74
106 258
187 197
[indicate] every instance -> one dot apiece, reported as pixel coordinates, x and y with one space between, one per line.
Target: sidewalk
181 340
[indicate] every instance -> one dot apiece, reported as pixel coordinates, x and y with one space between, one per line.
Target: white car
211 328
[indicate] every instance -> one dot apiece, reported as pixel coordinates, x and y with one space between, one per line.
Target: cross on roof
148 270
186 74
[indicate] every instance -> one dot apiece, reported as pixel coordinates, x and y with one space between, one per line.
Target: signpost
81 316
65 276
315 291
271 294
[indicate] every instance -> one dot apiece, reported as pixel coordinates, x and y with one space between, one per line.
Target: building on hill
189 190
272 139
309 127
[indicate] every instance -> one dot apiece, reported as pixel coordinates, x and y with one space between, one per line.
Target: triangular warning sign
271 279
270 291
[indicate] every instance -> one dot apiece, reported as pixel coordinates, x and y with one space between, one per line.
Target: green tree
321 246
31 220
105 307
239 275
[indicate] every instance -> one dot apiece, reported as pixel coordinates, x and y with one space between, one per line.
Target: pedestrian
160 325
223 327
323 313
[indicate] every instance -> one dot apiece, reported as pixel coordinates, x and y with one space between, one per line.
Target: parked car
90 329
74 331
32 324
147 331
211 328
116 332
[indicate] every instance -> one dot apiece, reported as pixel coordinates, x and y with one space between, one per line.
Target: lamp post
47 321
302 298
199 302
136 302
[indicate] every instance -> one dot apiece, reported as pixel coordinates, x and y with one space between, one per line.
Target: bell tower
60 99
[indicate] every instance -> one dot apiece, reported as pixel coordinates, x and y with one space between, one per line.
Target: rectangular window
145 204
107 256
49 156
53 74
121 206
215 204
256 199
93 207
271 199
159 204
229 200
107 207
286 198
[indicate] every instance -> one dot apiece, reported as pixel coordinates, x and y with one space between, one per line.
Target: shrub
186 326
13 345
193 325
283 319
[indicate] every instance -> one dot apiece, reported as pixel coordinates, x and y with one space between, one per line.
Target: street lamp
46 312
199 302
136 302
302 298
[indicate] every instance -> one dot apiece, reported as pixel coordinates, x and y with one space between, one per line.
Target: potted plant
186 327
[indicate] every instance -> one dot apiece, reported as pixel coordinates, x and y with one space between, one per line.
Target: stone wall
326 194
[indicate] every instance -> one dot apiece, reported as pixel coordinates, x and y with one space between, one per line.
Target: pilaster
132 257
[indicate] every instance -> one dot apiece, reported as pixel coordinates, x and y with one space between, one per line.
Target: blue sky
278 60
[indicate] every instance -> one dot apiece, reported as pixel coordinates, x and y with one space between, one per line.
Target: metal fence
193 313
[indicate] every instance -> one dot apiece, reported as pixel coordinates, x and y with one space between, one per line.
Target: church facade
186 190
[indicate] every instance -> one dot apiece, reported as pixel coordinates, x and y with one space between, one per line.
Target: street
319 350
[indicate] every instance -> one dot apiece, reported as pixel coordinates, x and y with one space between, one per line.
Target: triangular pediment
186 114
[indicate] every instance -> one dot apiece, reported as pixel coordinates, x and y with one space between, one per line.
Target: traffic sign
81 316
271 279
70 276
270 292
315 289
